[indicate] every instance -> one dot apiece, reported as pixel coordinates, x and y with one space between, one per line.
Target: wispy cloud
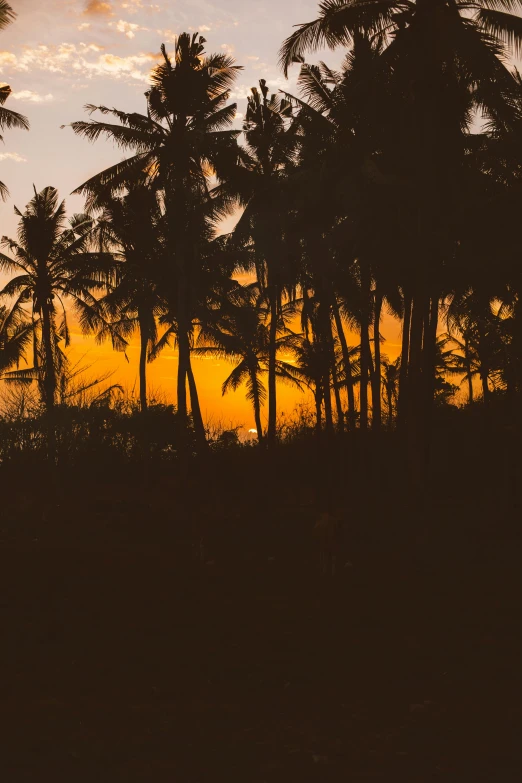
79 60
228 49
13 156
31 97
133 6
127 28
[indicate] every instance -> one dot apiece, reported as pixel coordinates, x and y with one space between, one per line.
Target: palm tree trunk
415 410
333 368
390 407
49 385
346 362
405 352
376 385
143 361
183 353
415 359
484 367
272 347
197 418
49 381
338 404
365 345
257 406
318 409
485 387
429 352
468 370
328 418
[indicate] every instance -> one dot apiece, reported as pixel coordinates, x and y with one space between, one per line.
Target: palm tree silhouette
238 332
270 146
182 141
130 227
438 65
477 30
54 263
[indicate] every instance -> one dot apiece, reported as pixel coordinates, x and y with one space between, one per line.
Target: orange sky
231 410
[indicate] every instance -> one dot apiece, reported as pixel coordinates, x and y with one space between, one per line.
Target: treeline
391 185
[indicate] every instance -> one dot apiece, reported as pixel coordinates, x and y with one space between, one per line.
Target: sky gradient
59 55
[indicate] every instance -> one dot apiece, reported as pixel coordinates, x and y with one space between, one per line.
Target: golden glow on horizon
230 410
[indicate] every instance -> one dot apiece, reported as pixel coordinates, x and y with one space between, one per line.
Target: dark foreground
128 654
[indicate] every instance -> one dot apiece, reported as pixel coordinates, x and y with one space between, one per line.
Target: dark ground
125 657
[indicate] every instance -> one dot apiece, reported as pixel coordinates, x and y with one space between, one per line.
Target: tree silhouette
54 263
178 145
130 226
238 332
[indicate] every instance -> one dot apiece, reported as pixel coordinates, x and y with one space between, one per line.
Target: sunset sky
59 55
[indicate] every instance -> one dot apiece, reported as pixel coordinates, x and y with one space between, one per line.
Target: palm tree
130 227
238 332
270 144
181 142
312 369
53 263
8 119
478 32
439 64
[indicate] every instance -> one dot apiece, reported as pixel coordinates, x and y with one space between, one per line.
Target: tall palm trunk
415 360
318 408
405 355
337 397
467 360
272 348
144 341
346 362
484 364
49 381
365 344
183 353
429 352
328 418
197 418
415 410
376 379
333 368
256 402
389 395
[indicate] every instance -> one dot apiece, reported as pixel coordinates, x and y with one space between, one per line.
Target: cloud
168 35
84 26
128 28
80 60
98 8
252 57
32 97
13 156
7 58
228 49
133 6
